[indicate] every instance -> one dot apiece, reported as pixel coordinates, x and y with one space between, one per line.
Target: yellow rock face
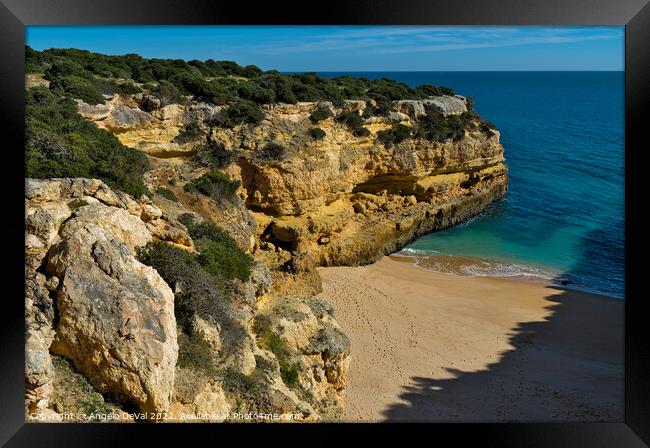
309 200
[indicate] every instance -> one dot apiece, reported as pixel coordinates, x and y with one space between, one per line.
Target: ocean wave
408 251
474 267
493 269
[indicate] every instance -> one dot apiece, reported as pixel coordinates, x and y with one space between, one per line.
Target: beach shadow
568 367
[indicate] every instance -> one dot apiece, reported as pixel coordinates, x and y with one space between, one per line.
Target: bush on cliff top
320 114
60 143
223 81
353 121
397 134
435 127
242 112
77 87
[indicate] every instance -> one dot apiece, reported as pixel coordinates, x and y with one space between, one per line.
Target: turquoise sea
563 217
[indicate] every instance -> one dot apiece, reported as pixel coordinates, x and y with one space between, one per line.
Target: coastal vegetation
219 254
319 114
167 194
317 133
219 82
353 121
214 154
271 151
190 131
396 134
60 143
218 263
214 183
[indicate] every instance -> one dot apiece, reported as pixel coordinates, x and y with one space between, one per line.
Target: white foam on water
448 264
497 269
409 252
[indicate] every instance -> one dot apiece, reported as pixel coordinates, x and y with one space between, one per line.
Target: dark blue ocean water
563 217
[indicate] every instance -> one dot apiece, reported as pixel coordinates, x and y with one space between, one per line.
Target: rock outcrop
90 300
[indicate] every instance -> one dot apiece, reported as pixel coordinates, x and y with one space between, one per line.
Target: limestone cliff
305 199
339 200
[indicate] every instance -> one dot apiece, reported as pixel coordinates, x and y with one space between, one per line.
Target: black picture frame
633 14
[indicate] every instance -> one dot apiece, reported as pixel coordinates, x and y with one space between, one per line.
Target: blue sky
355 48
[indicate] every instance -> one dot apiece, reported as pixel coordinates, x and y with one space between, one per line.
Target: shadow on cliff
568 367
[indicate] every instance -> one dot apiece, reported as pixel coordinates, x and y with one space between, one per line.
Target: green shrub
224 260
166 193
111 87
486 127
275 344
272 342
62 68
271 151
242 112
353 121
289 374
429 90
128 88
77 87
361 132
397 134
191 131
60 143
105 86
319 114
33 60
219 254
196 291
214 154
168 93
195 353
317 133
214 183
435 127
187 219
383 106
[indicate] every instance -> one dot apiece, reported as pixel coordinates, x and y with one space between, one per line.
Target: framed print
397 213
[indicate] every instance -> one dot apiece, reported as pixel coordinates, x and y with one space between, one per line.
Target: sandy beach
428 346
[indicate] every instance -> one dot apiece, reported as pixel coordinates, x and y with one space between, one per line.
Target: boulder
412 108
114 316
116 319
